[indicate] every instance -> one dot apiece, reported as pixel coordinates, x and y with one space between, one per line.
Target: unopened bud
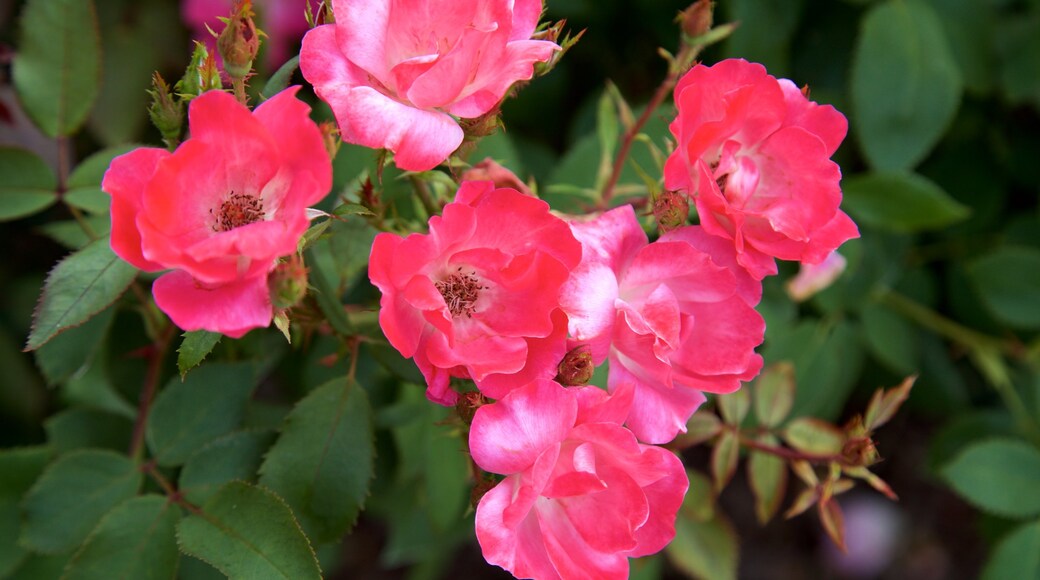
859 451
240 41
490 170
166 112
288 283
200 76
576 368
697 19
671 209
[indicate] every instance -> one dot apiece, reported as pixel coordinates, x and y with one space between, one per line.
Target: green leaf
905 84
734 406
28 185
71 496
133 541
80 286
969 27
891 338
93 388
1001 476
187 415
767 475
607 132
19 468
73 349
81 428
70 233
724 459
58 65
233 457
1017 555
83 189
707 550
765 31
194 349
813 436
699 502
248 532
774 391
900 202
322 462
328 297
1008 283
281 78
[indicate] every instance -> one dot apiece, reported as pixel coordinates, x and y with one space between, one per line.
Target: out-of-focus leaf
885 403
767 475
833 522
322 462
813 436
707 550
233 457
81 428
94 389
194 349
70 233
1008 283
186 415
71 496
248 532
968 25
699 502
1017 555
134 540
58 67
83 188
80 286
1018 43
281 78
900 202
891 338
19 468
765 31
71 350
774 391
998 475
905 84
28 185
724 459
703 425
734 406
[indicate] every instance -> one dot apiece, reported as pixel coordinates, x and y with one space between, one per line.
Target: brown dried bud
576 368
468 403
288 283
671 209
330 136
859 451
483 485
490 170
240 41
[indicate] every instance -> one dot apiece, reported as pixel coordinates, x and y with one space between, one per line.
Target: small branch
171 492
424 196
787 453
151 385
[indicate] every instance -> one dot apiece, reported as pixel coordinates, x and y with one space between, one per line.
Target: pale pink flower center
460 291
239 209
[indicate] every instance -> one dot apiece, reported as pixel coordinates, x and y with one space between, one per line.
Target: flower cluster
502 294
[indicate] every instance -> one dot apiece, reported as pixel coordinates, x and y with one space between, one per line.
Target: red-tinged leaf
804 501
774 393
873 480
724 459
805 472
734 406
884 404
702 426
833 523
814 437
767 475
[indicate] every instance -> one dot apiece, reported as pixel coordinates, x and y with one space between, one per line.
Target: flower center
460 291
239 209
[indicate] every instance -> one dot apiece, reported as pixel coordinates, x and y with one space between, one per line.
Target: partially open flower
221 209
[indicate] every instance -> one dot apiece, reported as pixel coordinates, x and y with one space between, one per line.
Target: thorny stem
239 85
156 354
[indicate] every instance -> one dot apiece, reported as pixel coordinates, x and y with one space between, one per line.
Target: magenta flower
478 297
674 318
398 73
581 495
221 209
754 153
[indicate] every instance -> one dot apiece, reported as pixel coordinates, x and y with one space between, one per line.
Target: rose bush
754 153
221 209
478 297
581 495
674 318
398 73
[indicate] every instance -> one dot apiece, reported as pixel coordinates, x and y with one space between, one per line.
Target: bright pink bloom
282 20
478 297
754 153
674 318
221 209
396 72
581 495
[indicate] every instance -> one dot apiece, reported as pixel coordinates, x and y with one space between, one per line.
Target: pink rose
754 153
396 73
581 495
221 209
478 297
282 20
674 318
